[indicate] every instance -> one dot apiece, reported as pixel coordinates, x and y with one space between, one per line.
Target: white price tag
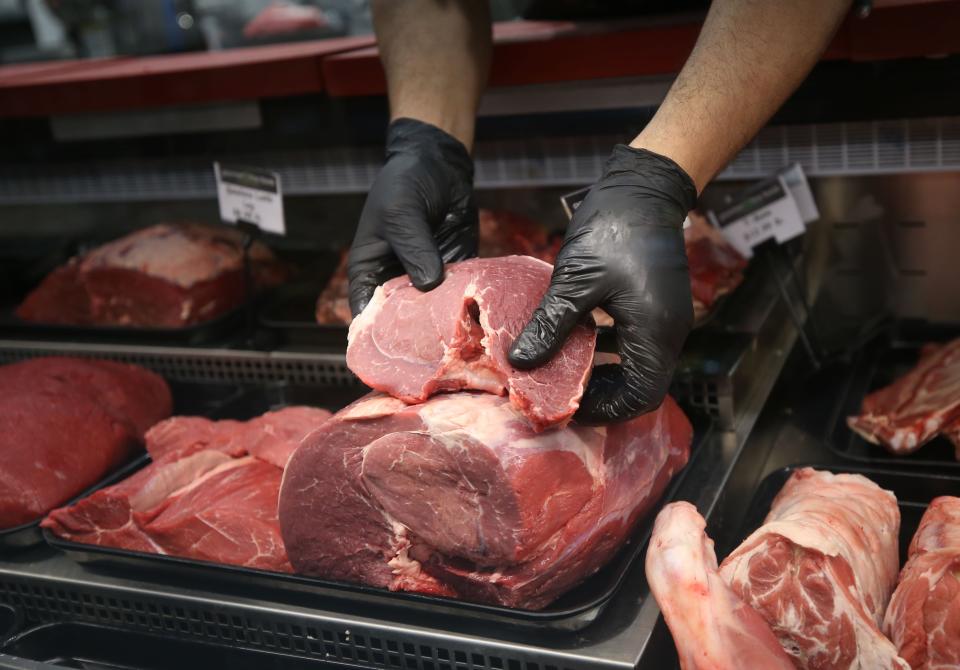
250 195
796 181
767 212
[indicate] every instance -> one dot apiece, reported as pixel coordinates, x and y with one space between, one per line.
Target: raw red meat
917 407
821 569
923 618
164 276
284 18
712 627
716 268
210 494
460 496
412 344
65 423
333 305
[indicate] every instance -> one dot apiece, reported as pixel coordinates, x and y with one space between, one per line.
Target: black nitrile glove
419 213
624 252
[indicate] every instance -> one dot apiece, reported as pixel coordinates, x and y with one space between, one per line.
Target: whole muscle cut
712 627
459 496
413 344
821 569
923 618
917 407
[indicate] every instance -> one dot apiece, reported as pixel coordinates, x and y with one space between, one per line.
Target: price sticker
796 180
767 211
250 195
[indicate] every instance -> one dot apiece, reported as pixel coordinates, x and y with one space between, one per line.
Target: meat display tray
573 611
94 647
879 364
290 311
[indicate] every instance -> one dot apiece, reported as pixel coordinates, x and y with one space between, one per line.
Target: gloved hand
419 213
624 252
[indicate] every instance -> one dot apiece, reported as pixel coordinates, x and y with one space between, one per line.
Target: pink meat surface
210 494
914 409
412 344
712 627
458 495
164 276
923 618
65 423
821 569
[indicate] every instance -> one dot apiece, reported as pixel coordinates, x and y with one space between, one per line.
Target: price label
796 181
250 195
766 211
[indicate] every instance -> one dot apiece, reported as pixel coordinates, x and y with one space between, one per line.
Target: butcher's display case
767 377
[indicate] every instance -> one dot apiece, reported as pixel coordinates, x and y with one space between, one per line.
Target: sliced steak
412 344
459 495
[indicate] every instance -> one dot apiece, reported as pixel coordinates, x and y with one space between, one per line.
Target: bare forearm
750 56
436 54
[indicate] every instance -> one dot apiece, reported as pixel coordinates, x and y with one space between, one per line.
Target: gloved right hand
419 213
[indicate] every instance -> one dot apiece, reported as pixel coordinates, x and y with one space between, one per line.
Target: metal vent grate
266 631
705 395
198 365
844 149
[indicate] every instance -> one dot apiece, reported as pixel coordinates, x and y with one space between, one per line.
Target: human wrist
451 119
678 151
414 136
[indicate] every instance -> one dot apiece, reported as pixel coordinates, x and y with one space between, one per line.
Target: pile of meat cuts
209 494
810 588
917 407
164 276
65 424
502 233
486 496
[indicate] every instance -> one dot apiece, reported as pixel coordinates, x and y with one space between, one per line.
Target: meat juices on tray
713 629
460 496
412 344
821 569
917 407
923 618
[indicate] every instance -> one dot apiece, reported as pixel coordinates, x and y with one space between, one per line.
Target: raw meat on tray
164 276
210 493
923 618
917 407
712 627
413 344
716 268
66 423
821 569
459 496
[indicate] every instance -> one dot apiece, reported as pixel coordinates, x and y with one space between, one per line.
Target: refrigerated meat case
882 247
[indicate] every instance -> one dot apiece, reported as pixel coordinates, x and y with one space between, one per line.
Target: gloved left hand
624 252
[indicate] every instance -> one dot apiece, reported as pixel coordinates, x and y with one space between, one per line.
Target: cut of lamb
210 493
821 569
923 618
412 344
917 407
65 423
712 627
164 276
459 496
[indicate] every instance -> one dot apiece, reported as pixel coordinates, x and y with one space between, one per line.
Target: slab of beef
821 569
65 423
412 344
712 627
923 618
210 493
459 496
917 407
164 276
502 233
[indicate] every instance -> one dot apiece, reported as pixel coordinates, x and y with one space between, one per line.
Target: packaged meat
210 493
164 276
917 407
821 568
712 627
459 496
65 423
413 344
923 618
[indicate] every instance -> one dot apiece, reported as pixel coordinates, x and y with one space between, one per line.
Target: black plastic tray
93 647
875 367
573 611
